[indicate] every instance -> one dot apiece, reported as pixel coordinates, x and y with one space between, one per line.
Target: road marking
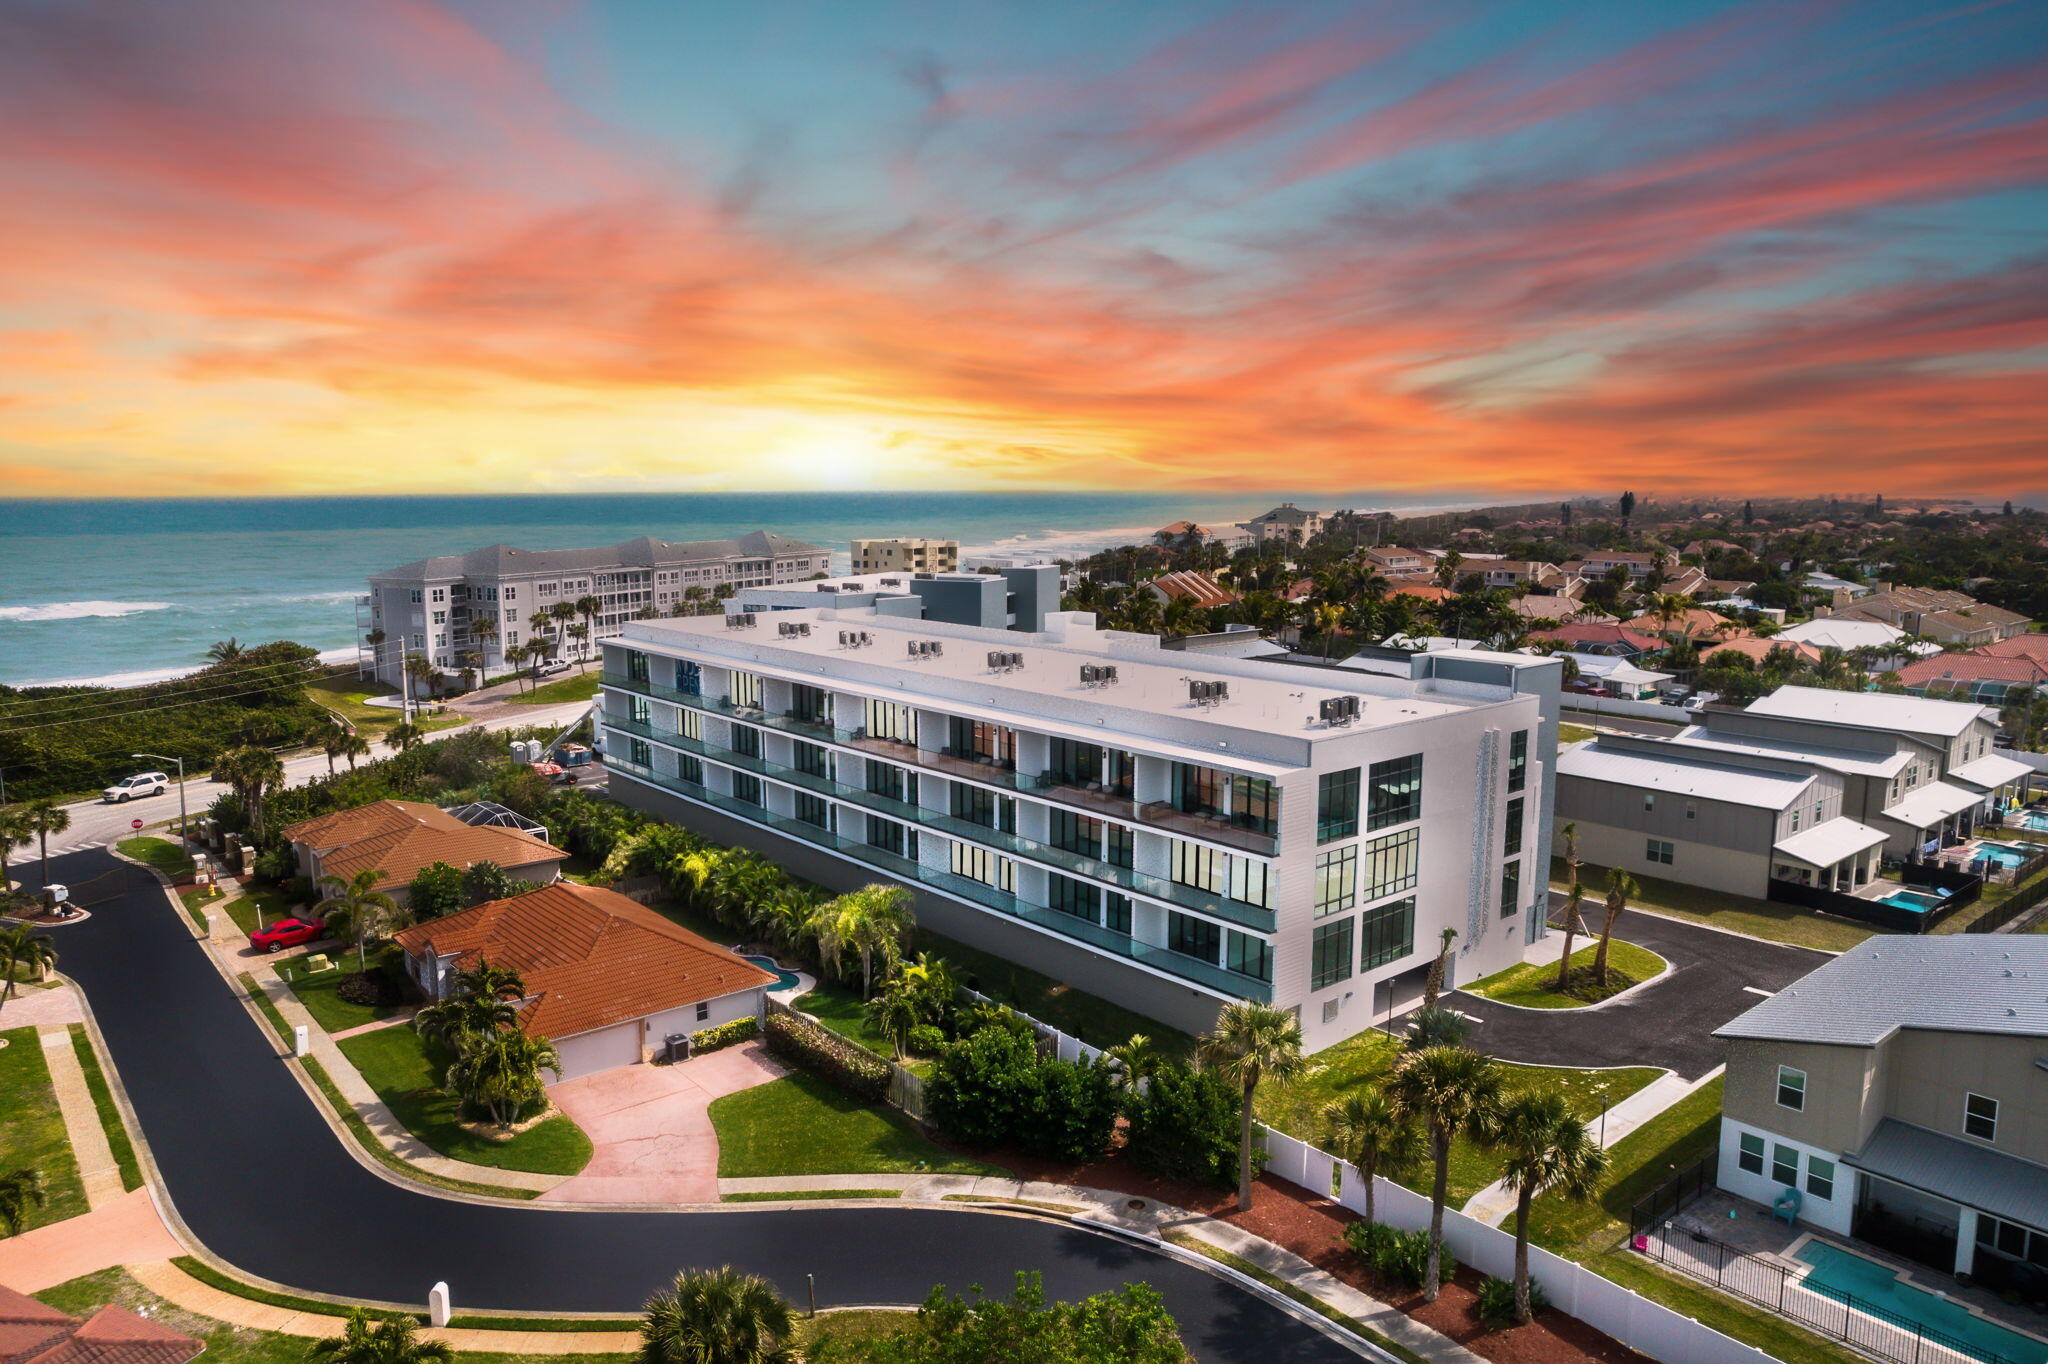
1767 994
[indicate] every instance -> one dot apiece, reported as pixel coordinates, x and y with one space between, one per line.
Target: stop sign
135 824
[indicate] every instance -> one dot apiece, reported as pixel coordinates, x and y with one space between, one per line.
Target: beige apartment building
1900 1094
904 554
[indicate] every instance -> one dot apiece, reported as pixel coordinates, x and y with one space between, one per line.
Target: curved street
260 1178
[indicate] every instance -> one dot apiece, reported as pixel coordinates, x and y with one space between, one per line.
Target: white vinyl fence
1614 705
1634 1320
1066 1047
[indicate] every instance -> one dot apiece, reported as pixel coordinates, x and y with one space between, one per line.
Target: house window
813 809
1336 805
703 1010
1336 880
1510 889
1785 1165
2012 1240
1792 1089
1394 793
1750 1153
637 709
889 720
1511 835
1391 863
1118 845
1660 851
1820 1177
1980 1117
809 704
1198 790
639 753
1200 867
1330 954
812 760
1076 833
1250 956
885 780
1387 933
1518 760
985 808
1192 937
885 834
636 666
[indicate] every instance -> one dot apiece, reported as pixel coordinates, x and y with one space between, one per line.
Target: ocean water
129 591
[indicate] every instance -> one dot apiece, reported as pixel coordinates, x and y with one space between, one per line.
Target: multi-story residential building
906 555
1899 1090
1286 523
1394 561
1806 785
1639 563
1991 674
1187 585
1166 829
1017 598
1514 572
1178 533
431 607
1955 619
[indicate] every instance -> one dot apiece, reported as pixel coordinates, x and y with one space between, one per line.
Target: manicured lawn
1572 734
558 692
1532 985
159 853
32 1129
320 991
1091 1018
1297 1109
839 1008
398 1065
1737 913
259 908
800 1125
103 1104
1637 1164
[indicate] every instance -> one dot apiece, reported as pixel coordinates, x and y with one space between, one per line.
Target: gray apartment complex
430 607
1901 1090
1165 830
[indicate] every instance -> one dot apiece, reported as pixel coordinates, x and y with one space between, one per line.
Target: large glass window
1336 880
1792 1089
1117 845
814 809
1820 1177
810 704
1511 833
690 768
1072 763
1198 790
979 864
979 741
1116 912
1750 1153
745 690
889 720
1391 863
746 788
1330 954
885 779
885 834
690 724
636 666
637 709
689 678
1254 805
1510 889
746 740
1069 896
1386 933
639 753
985 808
814 760
1250 956
1785 1164
1518 760
1394 792
1200 867
1336 805
1076 833
1192 937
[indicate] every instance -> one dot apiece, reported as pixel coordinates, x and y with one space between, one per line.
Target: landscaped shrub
1074 1110
1400 1257
275 864
1184 1126
830 1057
724 1035
926 1039
374 988
982 1088
436 890
1496 1305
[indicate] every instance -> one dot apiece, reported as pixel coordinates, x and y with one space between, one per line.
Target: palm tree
353 746
388 1340
43 818
875 918
21 1190
1326 619
403 735
895 1012
1574 896
515 656
590 608
251 772
421 672
1252 1042
581 634
334 743
1369 1131
15 832
1448 1090
562 613
454 1021
1433 983
540 622
716 1316
225 650
22 946
500 1073
1136 1060
359 906
1620 888
484 629
1543 1147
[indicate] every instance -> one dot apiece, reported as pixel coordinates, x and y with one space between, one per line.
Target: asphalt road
1669 1023
95 823
263 1181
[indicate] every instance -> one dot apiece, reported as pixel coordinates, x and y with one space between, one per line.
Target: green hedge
724 1035
829 1056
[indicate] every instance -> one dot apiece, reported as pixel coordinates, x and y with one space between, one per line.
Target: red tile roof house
1980 675
31 1333
608 981
1199 588
1617 641
397 838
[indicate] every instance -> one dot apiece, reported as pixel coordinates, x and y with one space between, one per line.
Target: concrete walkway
33 1008
96 1167
124 1232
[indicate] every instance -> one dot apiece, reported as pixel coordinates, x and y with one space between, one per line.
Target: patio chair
1786 1205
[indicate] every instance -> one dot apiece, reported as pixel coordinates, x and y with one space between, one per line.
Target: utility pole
158 757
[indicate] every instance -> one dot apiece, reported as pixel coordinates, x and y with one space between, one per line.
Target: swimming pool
2030 819
785 979
1879 1292
1919 901
2000 854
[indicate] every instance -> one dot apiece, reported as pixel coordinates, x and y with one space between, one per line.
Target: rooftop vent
828 587
892 582
1098 675
790 629
1339 710
1208 693
1004 661
742 621
925 648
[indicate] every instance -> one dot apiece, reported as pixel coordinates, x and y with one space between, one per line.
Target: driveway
651 1126
1669 1023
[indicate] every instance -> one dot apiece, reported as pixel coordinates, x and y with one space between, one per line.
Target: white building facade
1168 831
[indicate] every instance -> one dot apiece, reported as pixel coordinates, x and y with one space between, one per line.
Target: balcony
1216 828
1092 796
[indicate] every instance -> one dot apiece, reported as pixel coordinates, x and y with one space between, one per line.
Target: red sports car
288 933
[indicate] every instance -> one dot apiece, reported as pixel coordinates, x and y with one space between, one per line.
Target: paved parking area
651 1126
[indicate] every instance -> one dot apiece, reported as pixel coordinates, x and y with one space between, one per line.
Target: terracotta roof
1586 632
1425 591
1760 649
1698 623
1976 666
590 957
401 854
367 821
31 1333
1199 588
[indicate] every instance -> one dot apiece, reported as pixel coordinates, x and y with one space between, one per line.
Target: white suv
141 784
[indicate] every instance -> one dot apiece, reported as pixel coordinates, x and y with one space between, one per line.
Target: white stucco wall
1829 1214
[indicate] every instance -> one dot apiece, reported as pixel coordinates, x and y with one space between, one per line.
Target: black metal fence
1840 1315
2021 902
1959 888
1673 1194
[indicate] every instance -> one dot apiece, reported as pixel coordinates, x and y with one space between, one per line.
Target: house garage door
601 1050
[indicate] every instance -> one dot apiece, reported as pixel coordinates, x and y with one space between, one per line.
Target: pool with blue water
1918 901
785 979
2006 855
1876 1290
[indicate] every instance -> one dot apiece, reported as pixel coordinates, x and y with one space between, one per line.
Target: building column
1966 1241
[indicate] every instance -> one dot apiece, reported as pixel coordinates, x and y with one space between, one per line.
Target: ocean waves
80 610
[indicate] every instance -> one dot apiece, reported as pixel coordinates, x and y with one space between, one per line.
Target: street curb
1669 969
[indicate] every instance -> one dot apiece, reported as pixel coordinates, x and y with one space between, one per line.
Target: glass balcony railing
1095 935
1216 828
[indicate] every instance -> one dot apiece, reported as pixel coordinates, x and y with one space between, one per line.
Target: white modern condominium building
431 608
1164 830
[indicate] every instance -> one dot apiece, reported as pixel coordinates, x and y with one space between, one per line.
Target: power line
100 708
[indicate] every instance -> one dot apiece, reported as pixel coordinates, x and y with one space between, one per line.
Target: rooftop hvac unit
1108 674
892 582
915 648
803 630
785 628
924 575
865 639
1339 710
1208 693
845 638
742 621
1004 661
828 587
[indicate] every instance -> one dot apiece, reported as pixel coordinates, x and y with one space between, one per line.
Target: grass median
1533 985
104 1105
1736 913
32 1135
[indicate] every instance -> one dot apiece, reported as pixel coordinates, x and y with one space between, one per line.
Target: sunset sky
404 246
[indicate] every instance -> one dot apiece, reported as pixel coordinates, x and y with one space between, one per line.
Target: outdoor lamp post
158 757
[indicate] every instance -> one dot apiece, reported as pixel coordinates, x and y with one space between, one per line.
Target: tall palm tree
252 773
45 817
540 623
515 657
21 1190
15 832
590 608
460 1017
1326 618
22 946
358 906
1574 897
1433 982
353 746
1252 1042
484 630
562 612
1542 1147
386 1340
1367 1129
1621 887
500 1073
225 650
403 735
421 672
1448 1091
1135 1061
716 1316
895 1012
874 919
334 743
580 632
